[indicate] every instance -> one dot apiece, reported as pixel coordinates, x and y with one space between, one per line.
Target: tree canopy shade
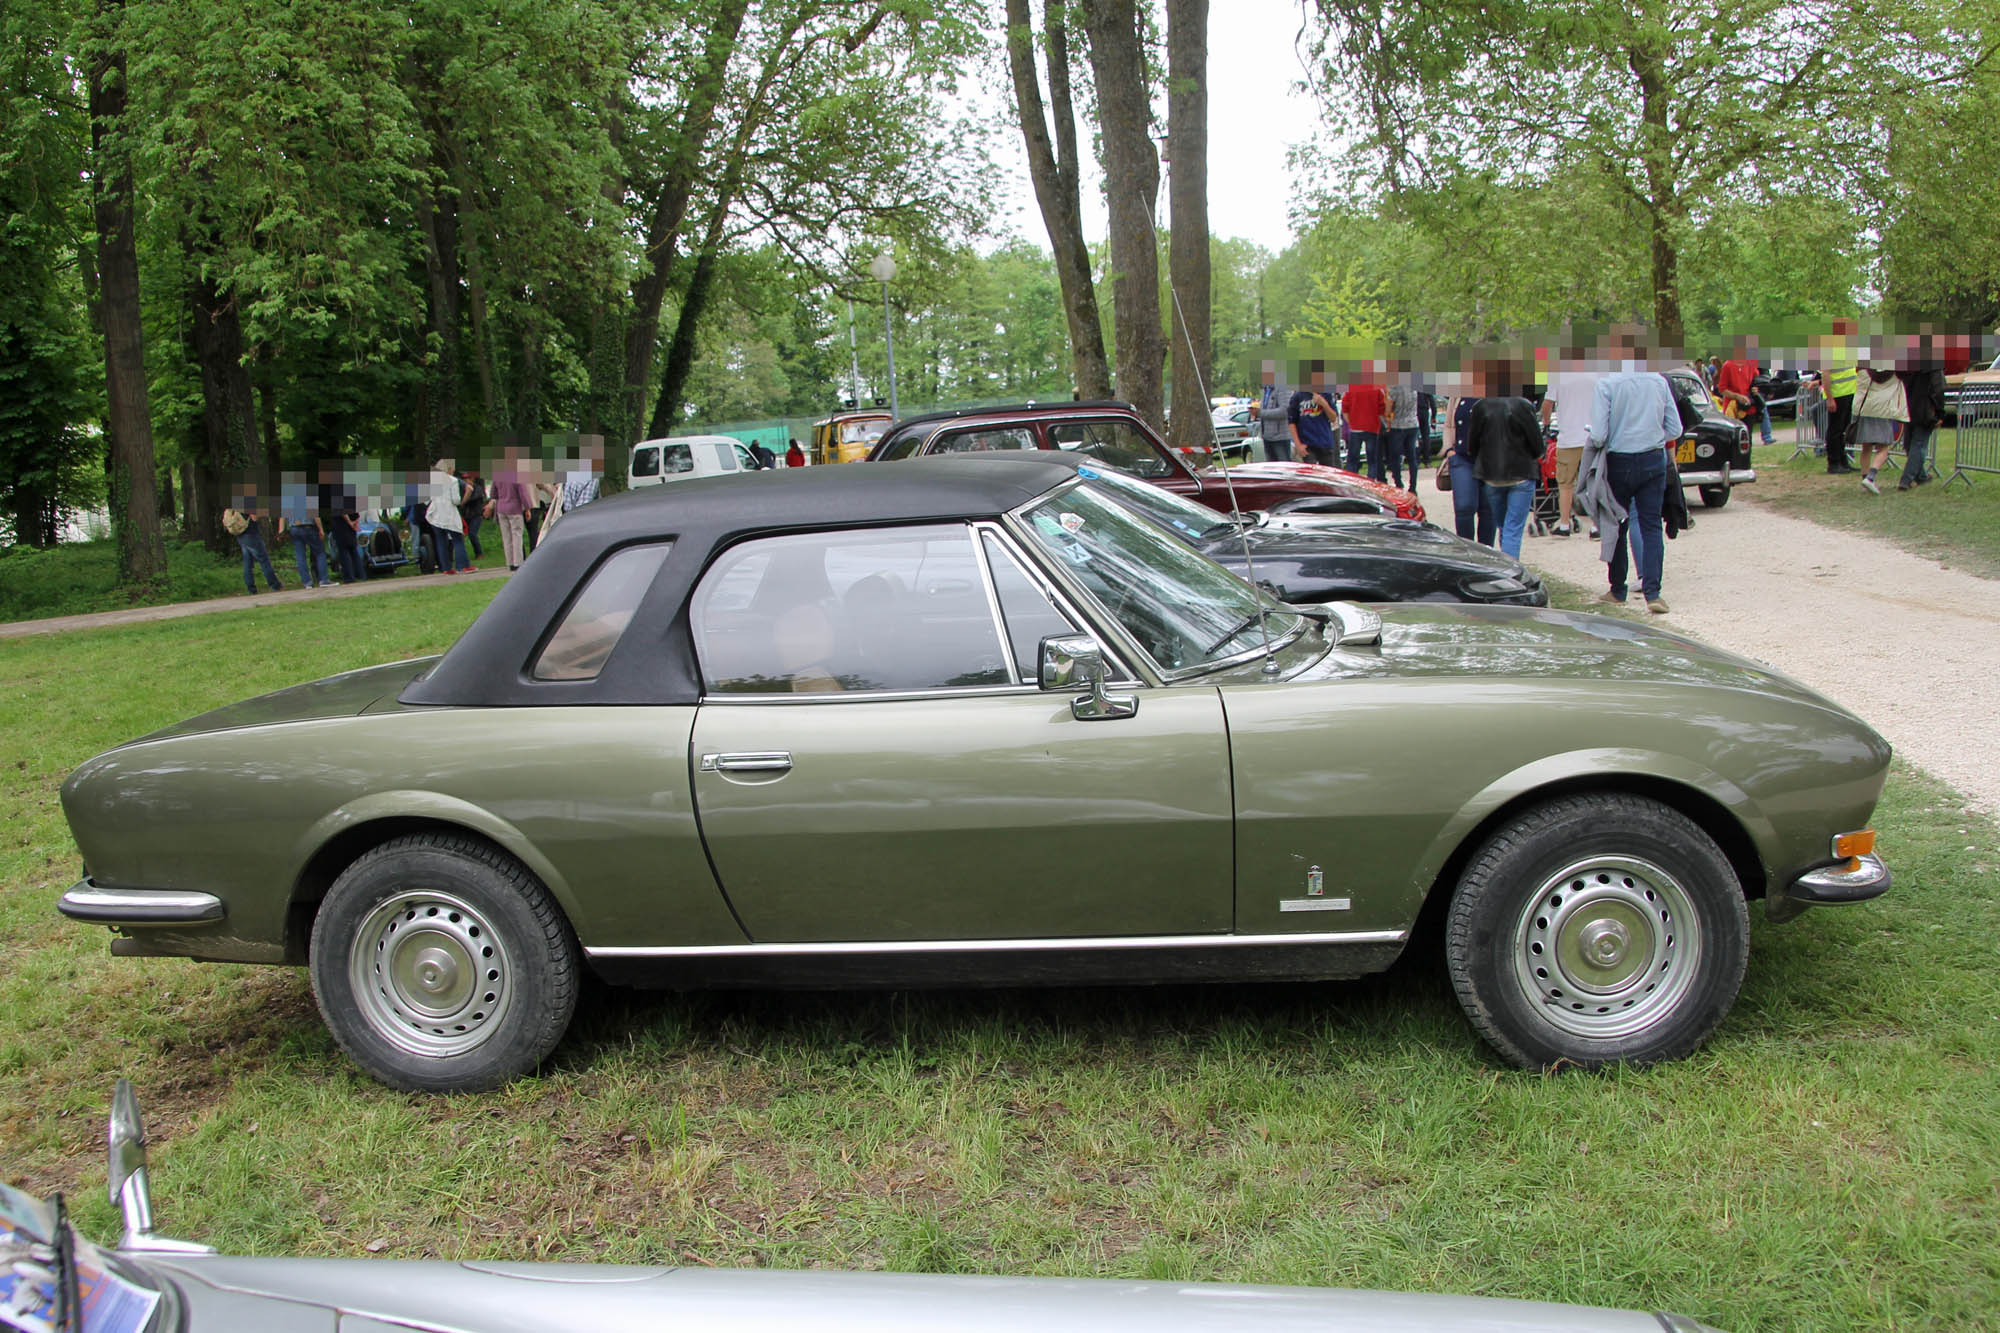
1677 108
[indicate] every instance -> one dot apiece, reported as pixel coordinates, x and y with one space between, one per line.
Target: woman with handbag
1880 406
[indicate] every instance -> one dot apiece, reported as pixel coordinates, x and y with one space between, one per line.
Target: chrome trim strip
1831 884
837 948
1079 623
1714 478
138 907
864 696
977 531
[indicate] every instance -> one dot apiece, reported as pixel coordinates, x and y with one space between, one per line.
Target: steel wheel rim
1607 947
432 976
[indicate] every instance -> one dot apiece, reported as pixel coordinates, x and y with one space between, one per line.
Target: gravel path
1910 646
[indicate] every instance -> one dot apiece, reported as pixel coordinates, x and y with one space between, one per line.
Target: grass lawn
1830 1160
1959 527
80 577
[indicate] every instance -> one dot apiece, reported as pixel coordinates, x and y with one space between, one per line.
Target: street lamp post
883 266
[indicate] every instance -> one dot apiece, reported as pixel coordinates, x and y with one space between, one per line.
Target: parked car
1714 452
682 457
1780 391
1988 374
846 437
1309 559
1116 436
381 545
156 1284
976 724
1235 423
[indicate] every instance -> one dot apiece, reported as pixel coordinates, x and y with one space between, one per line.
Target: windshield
1184 610
1171 511
113 1295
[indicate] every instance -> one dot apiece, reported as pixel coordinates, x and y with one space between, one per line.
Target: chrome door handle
753 761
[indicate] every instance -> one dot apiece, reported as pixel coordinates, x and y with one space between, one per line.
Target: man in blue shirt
1312 417
1634 419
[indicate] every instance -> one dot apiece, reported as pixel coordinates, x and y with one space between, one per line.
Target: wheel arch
343 837
1711 812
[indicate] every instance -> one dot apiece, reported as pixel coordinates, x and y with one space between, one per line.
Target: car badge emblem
1315 882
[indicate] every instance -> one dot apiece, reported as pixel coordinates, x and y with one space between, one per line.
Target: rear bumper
89 902
1715 477
1858 881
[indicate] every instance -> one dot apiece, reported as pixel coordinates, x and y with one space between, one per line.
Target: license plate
1684 454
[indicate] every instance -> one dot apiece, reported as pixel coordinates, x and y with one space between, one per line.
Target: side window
840 612
725 456
676 458
646 462
746 460
1116 444
984 441
1029 614
596 620
905 447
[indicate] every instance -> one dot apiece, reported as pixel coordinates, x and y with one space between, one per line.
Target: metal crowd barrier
1976 436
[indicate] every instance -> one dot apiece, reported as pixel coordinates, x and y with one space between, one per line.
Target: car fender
436 807
1576 769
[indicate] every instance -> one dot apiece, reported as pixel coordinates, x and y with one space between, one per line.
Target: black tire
1714 497
1554 948
475 970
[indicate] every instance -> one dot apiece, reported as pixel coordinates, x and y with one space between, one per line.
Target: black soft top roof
654 661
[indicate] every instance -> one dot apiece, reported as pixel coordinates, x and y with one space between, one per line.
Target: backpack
234 523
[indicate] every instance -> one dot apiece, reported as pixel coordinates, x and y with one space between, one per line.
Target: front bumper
90 902
1855 881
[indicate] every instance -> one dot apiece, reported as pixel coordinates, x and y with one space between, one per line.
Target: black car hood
1389 539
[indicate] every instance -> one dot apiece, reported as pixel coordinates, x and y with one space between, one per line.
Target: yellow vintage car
846 437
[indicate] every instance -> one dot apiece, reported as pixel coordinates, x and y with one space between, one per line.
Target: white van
683 456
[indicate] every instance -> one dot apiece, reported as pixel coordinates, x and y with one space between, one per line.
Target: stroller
1548 505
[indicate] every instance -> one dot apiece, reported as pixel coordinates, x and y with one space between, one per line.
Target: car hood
1382 538
503 1298
344 695
1436 639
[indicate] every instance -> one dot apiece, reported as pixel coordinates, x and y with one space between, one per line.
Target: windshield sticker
28 1288
1071 523
1088 473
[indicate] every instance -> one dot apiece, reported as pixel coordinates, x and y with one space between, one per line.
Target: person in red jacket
795 456
1364 405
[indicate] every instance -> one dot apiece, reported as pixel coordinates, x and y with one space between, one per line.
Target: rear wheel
1597 930
1714 497
441 965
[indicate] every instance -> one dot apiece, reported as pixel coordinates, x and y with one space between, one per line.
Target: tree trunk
681 352
527 418
1664 208
1131 183
228 416
437 220
1054 170
267 420
190 503
1187 197
669 211
135 514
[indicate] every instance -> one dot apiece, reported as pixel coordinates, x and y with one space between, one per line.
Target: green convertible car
977 724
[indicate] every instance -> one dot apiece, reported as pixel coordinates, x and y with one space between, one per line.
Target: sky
1256 111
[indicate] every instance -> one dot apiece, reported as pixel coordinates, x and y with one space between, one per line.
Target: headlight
1496 587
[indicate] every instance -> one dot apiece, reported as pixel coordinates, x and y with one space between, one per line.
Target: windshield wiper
1254 618
69 1299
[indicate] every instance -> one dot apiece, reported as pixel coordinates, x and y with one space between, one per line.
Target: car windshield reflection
1186 612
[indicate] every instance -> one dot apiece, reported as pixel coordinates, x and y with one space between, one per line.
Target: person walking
308 546
1399 437
1362 407
1571 396
1880 408
1923 389
1505 443
1469 519
472 510
447 528
1634 418
1840 377
242 525
512 503
1310 417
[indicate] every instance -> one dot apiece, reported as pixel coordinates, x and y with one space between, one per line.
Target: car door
872 760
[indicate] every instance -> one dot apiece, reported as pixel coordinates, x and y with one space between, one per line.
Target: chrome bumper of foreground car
1853 881
1714 477
87 901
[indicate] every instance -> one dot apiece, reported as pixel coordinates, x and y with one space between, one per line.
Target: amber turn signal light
1847 846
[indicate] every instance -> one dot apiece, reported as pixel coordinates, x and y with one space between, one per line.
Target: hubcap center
1604 943
433 975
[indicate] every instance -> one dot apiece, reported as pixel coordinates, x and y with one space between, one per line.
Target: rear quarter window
598 618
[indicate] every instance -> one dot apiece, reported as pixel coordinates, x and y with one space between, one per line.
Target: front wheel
1597 930
441 965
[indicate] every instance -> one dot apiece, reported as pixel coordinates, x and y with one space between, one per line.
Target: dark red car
1115 435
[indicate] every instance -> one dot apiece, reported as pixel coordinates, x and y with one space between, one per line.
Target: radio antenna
1235 512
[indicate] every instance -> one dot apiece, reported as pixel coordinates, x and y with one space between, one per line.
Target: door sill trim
1082 942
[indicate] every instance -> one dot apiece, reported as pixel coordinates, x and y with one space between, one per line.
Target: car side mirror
1070 660
125 1180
